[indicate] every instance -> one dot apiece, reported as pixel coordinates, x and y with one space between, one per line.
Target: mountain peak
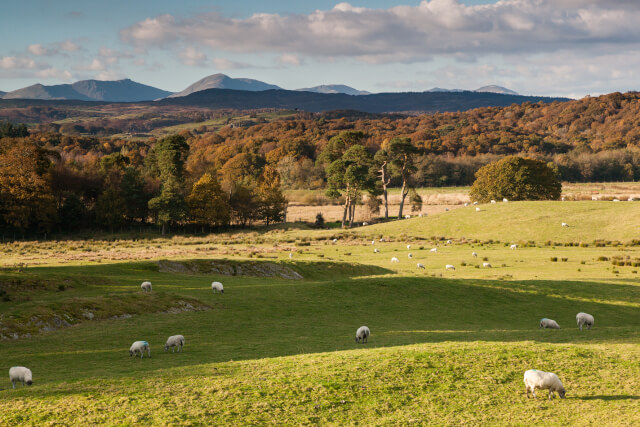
222 81
335 88
496 89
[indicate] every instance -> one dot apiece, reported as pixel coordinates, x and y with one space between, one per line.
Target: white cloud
95 65
37 49
16 62
226 64
53 72
192 57
407 33
289 59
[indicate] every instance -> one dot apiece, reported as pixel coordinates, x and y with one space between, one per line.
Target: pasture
446 347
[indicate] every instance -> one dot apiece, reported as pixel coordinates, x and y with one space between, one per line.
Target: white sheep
549 324
616 200
534 379
563 198
486 264
493 202
376 250
365 224
362 333
474 254
146 286
504 200
217 287
407 216
433 250
475 203
564 224
335 240
449 267
381 239
594 198
410 255
20 374
408 247
514 246
421 266
466 204
584 319
139 347
448 242
174 341
290 255
394 259
373 242
477 209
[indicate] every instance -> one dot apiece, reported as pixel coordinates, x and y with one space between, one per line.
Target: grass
447 347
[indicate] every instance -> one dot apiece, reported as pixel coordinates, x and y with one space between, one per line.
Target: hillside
91 90
222 81
335 89
423 102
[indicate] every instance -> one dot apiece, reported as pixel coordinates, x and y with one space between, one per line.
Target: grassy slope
538 221
443 350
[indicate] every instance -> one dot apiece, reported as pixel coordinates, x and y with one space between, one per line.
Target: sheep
335 240
474 254
421 266
594 198
20 374
446 209
493 202
373 242
290 255
477 209
616 200
433 250
376 250
534 379
514 246
475 203
407 216
394 259
217 287
584 319
364 224
381 239
549 324
564 224
410 255
139 347
504 200
174 341
146 286
362 333
563 198
448 242
449 267
466 204
486 264
408 247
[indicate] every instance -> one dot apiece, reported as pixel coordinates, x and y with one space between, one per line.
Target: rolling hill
348 90
222 81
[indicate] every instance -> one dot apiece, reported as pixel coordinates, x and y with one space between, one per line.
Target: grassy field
447 347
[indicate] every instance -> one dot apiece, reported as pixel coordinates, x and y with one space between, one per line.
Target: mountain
413 102
496 89
2 93
222 81
91 90
335 89
439 89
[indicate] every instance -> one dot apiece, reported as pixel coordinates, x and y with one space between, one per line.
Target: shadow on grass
614 397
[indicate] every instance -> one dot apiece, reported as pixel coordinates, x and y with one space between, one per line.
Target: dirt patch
229 268
79 310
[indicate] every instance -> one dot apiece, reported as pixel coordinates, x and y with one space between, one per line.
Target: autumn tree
382 160
402 154
208 204
272 203
516 178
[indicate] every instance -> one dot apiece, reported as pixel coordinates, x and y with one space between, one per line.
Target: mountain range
487 89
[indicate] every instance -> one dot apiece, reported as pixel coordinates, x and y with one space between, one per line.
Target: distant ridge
407 102
483 89
222 81
348 90
91 90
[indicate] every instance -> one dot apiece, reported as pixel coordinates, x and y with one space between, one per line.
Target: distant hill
2 93
222 81
414 102
91 90
496 89
348 90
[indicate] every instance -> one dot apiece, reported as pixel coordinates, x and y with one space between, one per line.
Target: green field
447 347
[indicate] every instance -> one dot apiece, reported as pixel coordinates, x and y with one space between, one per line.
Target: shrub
516 178
319 223
554 259
565 259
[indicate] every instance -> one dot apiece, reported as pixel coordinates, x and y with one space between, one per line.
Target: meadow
447 347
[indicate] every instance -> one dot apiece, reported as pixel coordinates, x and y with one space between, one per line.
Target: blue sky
547 47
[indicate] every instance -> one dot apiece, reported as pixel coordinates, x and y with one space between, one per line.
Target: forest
58 175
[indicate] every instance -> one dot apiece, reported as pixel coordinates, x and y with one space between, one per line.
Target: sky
536 47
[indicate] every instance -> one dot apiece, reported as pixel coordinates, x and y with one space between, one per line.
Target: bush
516 178
554 259
319 220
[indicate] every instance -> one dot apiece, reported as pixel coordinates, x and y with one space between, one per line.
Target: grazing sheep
549 324
365 224
474 254
514 246
449 267
477 209
616 200
217 287
584 319
139 347
376 250
335 240
146 286
362 333
394 259
448 242
446 209
20 374
475 203
407 216
486 264
290 255
534 379
504 200
408 247
381 239
421 266
563 198
493 202
466 204
410 255
564 224
373 242
174 341
433 250
594 198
